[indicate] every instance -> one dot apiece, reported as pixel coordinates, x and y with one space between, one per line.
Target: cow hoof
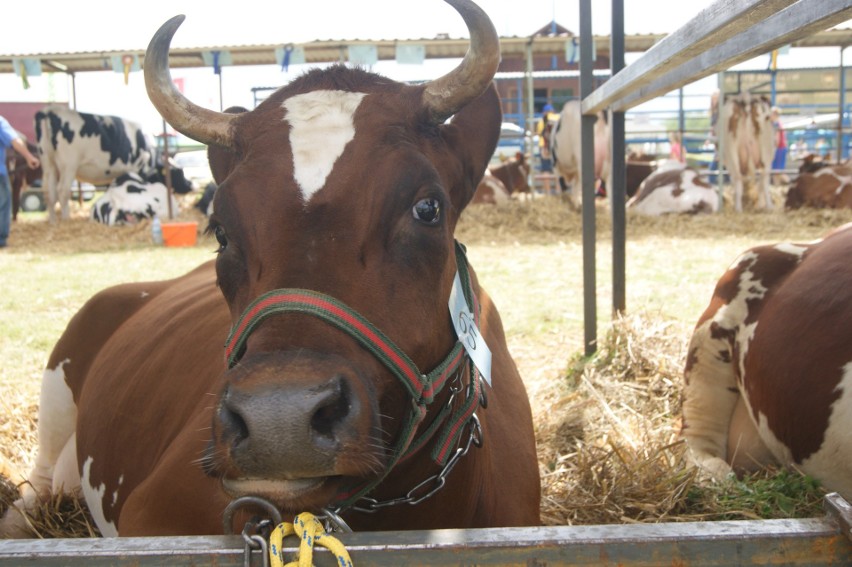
714 468
15 523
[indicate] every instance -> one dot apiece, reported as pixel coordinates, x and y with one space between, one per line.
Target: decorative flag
411 53
363 55
216 59
25 68
289 54
773 56
572 50
125 63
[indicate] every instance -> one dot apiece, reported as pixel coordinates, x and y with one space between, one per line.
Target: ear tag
467 332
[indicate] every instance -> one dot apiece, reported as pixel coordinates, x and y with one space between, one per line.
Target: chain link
434 483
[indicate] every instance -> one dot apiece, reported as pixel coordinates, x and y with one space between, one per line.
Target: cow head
346 184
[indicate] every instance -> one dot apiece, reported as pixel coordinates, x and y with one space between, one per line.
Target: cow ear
477 128
222 160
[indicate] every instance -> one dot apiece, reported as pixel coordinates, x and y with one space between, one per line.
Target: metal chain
432 484
256 541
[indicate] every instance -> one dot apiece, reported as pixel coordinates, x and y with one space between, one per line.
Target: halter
423 388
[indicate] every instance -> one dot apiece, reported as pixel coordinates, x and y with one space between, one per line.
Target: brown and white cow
345 381
567 153
490 191
768 377
747 136
674 188
513 174
20 175
828 187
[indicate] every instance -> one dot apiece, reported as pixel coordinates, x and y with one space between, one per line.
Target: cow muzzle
289 424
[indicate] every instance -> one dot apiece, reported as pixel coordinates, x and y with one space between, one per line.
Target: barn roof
321 51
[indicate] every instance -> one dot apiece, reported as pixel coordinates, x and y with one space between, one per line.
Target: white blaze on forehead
321 124
95 501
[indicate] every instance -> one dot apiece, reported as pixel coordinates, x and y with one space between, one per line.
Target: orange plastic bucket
180 233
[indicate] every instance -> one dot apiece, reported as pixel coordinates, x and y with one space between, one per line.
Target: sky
100 25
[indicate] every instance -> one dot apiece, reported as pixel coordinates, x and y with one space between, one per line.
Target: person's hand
32 162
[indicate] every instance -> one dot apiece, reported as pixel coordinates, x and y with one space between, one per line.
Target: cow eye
221 237
427 211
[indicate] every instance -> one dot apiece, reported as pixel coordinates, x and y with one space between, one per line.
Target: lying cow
94 149
490 191
769 367
829 187
337 283
674 188
513 174
130 199
567 153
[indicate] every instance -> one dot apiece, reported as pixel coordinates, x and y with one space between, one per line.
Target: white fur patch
95 501
321 124
56 424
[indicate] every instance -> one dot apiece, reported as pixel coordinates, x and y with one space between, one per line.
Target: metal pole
720 179
681 125
587 133
167 170
840 105
618 179
530 111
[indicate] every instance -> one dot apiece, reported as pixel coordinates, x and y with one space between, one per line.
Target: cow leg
56 461
710 397
764 197
51 178
63 192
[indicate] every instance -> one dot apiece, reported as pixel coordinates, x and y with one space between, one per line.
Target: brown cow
490 191
769 367
829 187
345 387
20 175
513 174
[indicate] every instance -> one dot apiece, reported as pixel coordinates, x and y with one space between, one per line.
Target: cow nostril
233 424
332 411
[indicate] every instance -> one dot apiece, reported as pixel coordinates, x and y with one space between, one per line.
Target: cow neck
423 388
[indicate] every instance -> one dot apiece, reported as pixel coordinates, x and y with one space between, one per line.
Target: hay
610 450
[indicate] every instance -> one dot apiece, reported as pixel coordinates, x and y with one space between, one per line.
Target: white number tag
471 339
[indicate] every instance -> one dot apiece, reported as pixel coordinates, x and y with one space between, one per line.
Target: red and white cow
747 137
674 188
768 376
337 289
513 174
130 199
20 175
828 187
490 191
567 154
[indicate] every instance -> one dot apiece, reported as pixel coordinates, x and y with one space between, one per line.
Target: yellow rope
311 532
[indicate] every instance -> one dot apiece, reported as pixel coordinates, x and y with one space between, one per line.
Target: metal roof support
587 140
618 179
718 22
803 18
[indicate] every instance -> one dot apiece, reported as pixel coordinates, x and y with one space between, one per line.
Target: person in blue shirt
9 138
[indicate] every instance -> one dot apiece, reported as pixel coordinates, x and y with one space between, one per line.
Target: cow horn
444 96
206 126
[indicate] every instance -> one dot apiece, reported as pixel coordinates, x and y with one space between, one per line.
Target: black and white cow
94 149
130 199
